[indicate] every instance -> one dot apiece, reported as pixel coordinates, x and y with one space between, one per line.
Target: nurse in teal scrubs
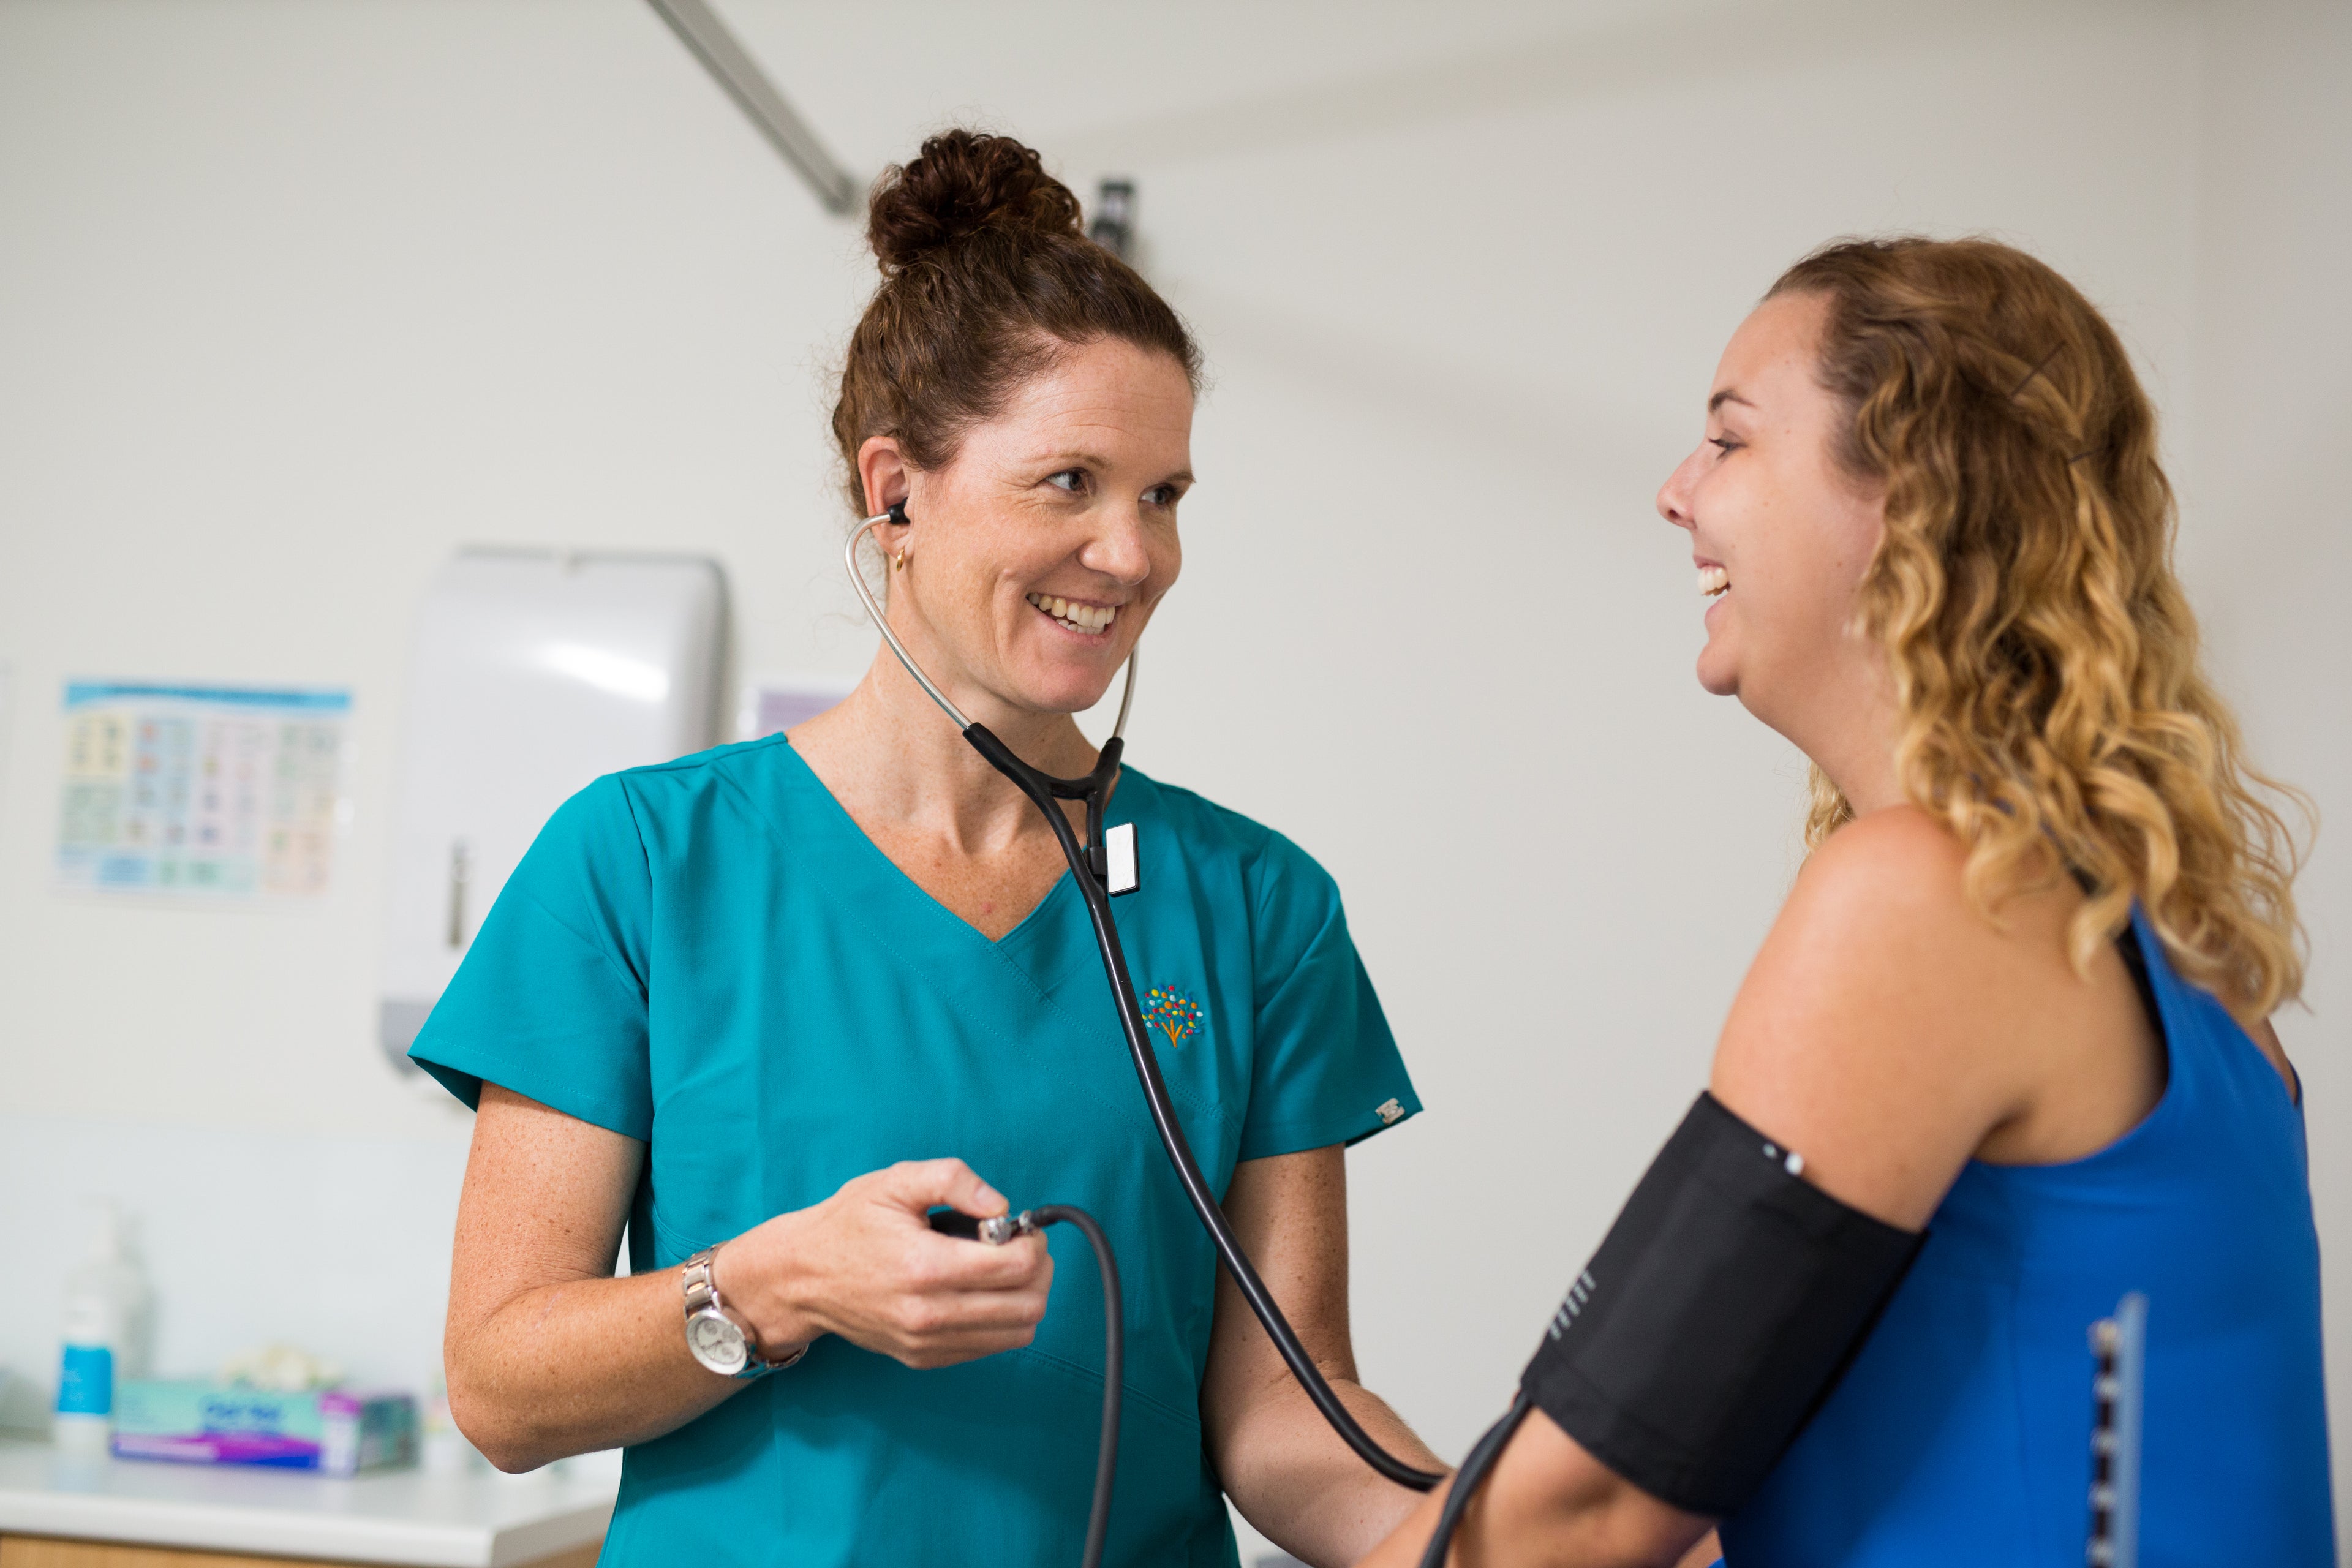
781 999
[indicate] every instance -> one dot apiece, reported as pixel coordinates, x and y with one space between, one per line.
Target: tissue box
333 1431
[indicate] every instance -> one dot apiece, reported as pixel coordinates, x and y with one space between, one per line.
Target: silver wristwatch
717 1336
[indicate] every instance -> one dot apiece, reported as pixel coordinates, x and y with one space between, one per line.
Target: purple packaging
337 1432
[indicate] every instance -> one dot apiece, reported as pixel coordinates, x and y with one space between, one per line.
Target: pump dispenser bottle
106 1318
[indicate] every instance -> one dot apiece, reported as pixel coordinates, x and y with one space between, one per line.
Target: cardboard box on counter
337 1432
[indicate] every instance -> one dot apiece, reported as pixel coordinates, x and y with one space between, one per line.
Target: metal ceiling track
702 32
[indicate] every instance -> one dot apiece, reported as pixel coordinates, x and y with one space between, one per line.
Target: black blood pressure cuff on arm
1716 1317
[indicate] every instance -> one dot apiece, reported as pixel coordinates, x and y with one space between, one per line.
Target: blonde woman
2014 1015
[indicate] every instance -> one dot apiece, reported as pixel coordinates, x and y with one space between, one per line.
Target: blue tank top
1961 1433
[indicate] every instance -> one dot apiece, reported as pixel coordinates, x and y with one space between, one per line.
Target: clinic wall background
295 299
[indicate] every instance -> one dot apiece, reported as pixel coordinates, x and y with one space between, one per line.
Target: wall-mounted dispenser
533 673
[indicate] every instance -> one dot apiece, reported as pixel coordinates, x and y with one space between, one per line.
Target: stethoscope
2119 1342
1091 866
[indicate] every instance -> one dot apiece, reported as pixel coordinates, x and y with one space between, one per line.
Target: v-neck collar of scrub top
1040 946
1041 957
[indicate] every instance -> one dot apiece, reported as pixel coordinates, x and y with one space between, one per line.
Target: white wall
296 298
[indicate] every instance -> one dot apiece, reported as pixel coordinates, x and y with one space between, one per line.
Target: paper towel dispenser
533 673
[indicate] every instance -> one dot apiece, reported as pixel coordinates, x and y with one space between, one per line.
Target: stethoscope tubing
1467 1481
1114 1371
1043 790
882 624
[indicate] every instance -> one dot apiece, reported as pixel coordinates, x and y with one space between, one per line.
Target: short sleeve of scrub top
708 956
555 973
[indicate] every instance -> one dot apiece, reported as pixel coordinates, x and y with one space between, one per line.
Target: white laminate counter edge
397 1516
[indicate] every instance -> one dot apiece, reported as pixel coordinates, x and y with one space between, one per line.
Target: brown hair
2044 654
986 277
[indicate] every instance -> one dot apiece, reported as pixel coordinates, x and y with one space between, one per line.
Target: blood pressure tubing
951 1222
1088 868
1041 789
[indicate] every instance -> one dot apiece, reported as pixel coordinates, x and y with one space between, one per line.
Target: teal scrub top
711 957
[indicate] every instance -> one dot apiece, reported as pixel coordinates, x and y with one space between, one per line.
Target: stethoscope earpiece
898 513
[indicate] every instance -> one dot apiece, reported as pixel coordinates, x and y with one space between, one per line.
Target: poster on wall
767 706
230 792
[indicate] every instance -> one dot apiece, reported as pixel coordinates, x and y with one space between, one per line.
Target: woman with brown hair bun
771 1004
2018 1000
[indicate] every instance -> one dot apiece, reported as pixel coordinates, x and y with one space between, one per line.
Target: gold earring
898 562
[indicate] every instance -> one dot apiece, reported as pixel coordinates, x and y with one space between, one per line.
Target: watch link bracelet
716 1336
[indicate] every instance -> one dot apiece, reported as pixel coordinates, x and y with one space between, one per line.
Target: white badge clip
1119 859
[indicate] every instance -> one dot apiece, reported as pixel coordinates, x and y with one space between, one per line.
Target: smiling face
1779 533
1035 557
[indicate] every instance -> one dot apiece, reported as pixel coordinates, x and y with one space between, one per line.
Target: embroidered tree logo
1172 1013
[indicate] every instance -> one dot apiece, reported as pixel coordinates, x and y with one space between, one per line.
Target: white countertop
402 1516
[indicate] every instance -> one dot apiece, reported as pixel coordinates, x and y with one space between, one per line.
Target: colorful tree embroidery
1171 1012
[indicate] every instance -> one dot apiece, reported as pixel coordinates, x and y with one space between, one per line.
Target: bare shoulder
1872 1032
1898 861
1880 910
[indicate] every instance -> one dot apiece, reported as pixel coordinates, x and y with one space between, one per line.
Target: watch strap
701 1287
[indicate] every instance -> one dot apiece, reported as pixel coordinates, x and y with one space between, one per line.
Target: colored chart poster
767 707
210 792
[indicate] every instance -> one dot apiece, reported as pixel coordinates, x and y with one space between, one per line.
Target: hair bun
960 182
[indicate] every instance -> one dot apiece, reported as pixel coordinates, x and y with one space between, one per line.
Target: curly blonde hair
2044 654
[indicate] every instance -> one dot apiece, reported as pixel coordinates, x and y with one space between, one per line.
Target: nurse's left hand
866 1265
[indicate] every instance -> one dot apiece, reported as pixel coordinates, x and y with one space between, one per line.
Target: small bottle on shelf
105 1326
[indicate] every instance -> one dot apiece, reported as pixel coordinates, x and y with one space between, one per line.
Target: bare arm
1546 1503
1280 1462
1890 1032
548 1355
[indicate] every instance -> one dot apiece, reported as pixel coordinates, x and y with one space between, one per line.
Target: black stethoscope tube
1003 1228
1043 790
1467 1480
996 1232
1114 1369
1089 868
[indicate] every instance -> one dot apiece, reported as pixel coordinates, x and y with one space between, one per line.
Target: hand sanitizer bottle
106 1318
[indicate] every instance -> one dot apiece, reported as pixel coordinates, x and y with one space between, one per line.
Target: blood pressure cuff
1718 1314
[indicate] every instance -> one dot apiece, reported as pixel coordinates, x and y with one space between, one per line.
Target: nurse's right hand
866 1265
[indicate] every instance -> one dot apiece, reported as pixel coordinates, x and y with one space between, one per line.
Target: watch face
717 1343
